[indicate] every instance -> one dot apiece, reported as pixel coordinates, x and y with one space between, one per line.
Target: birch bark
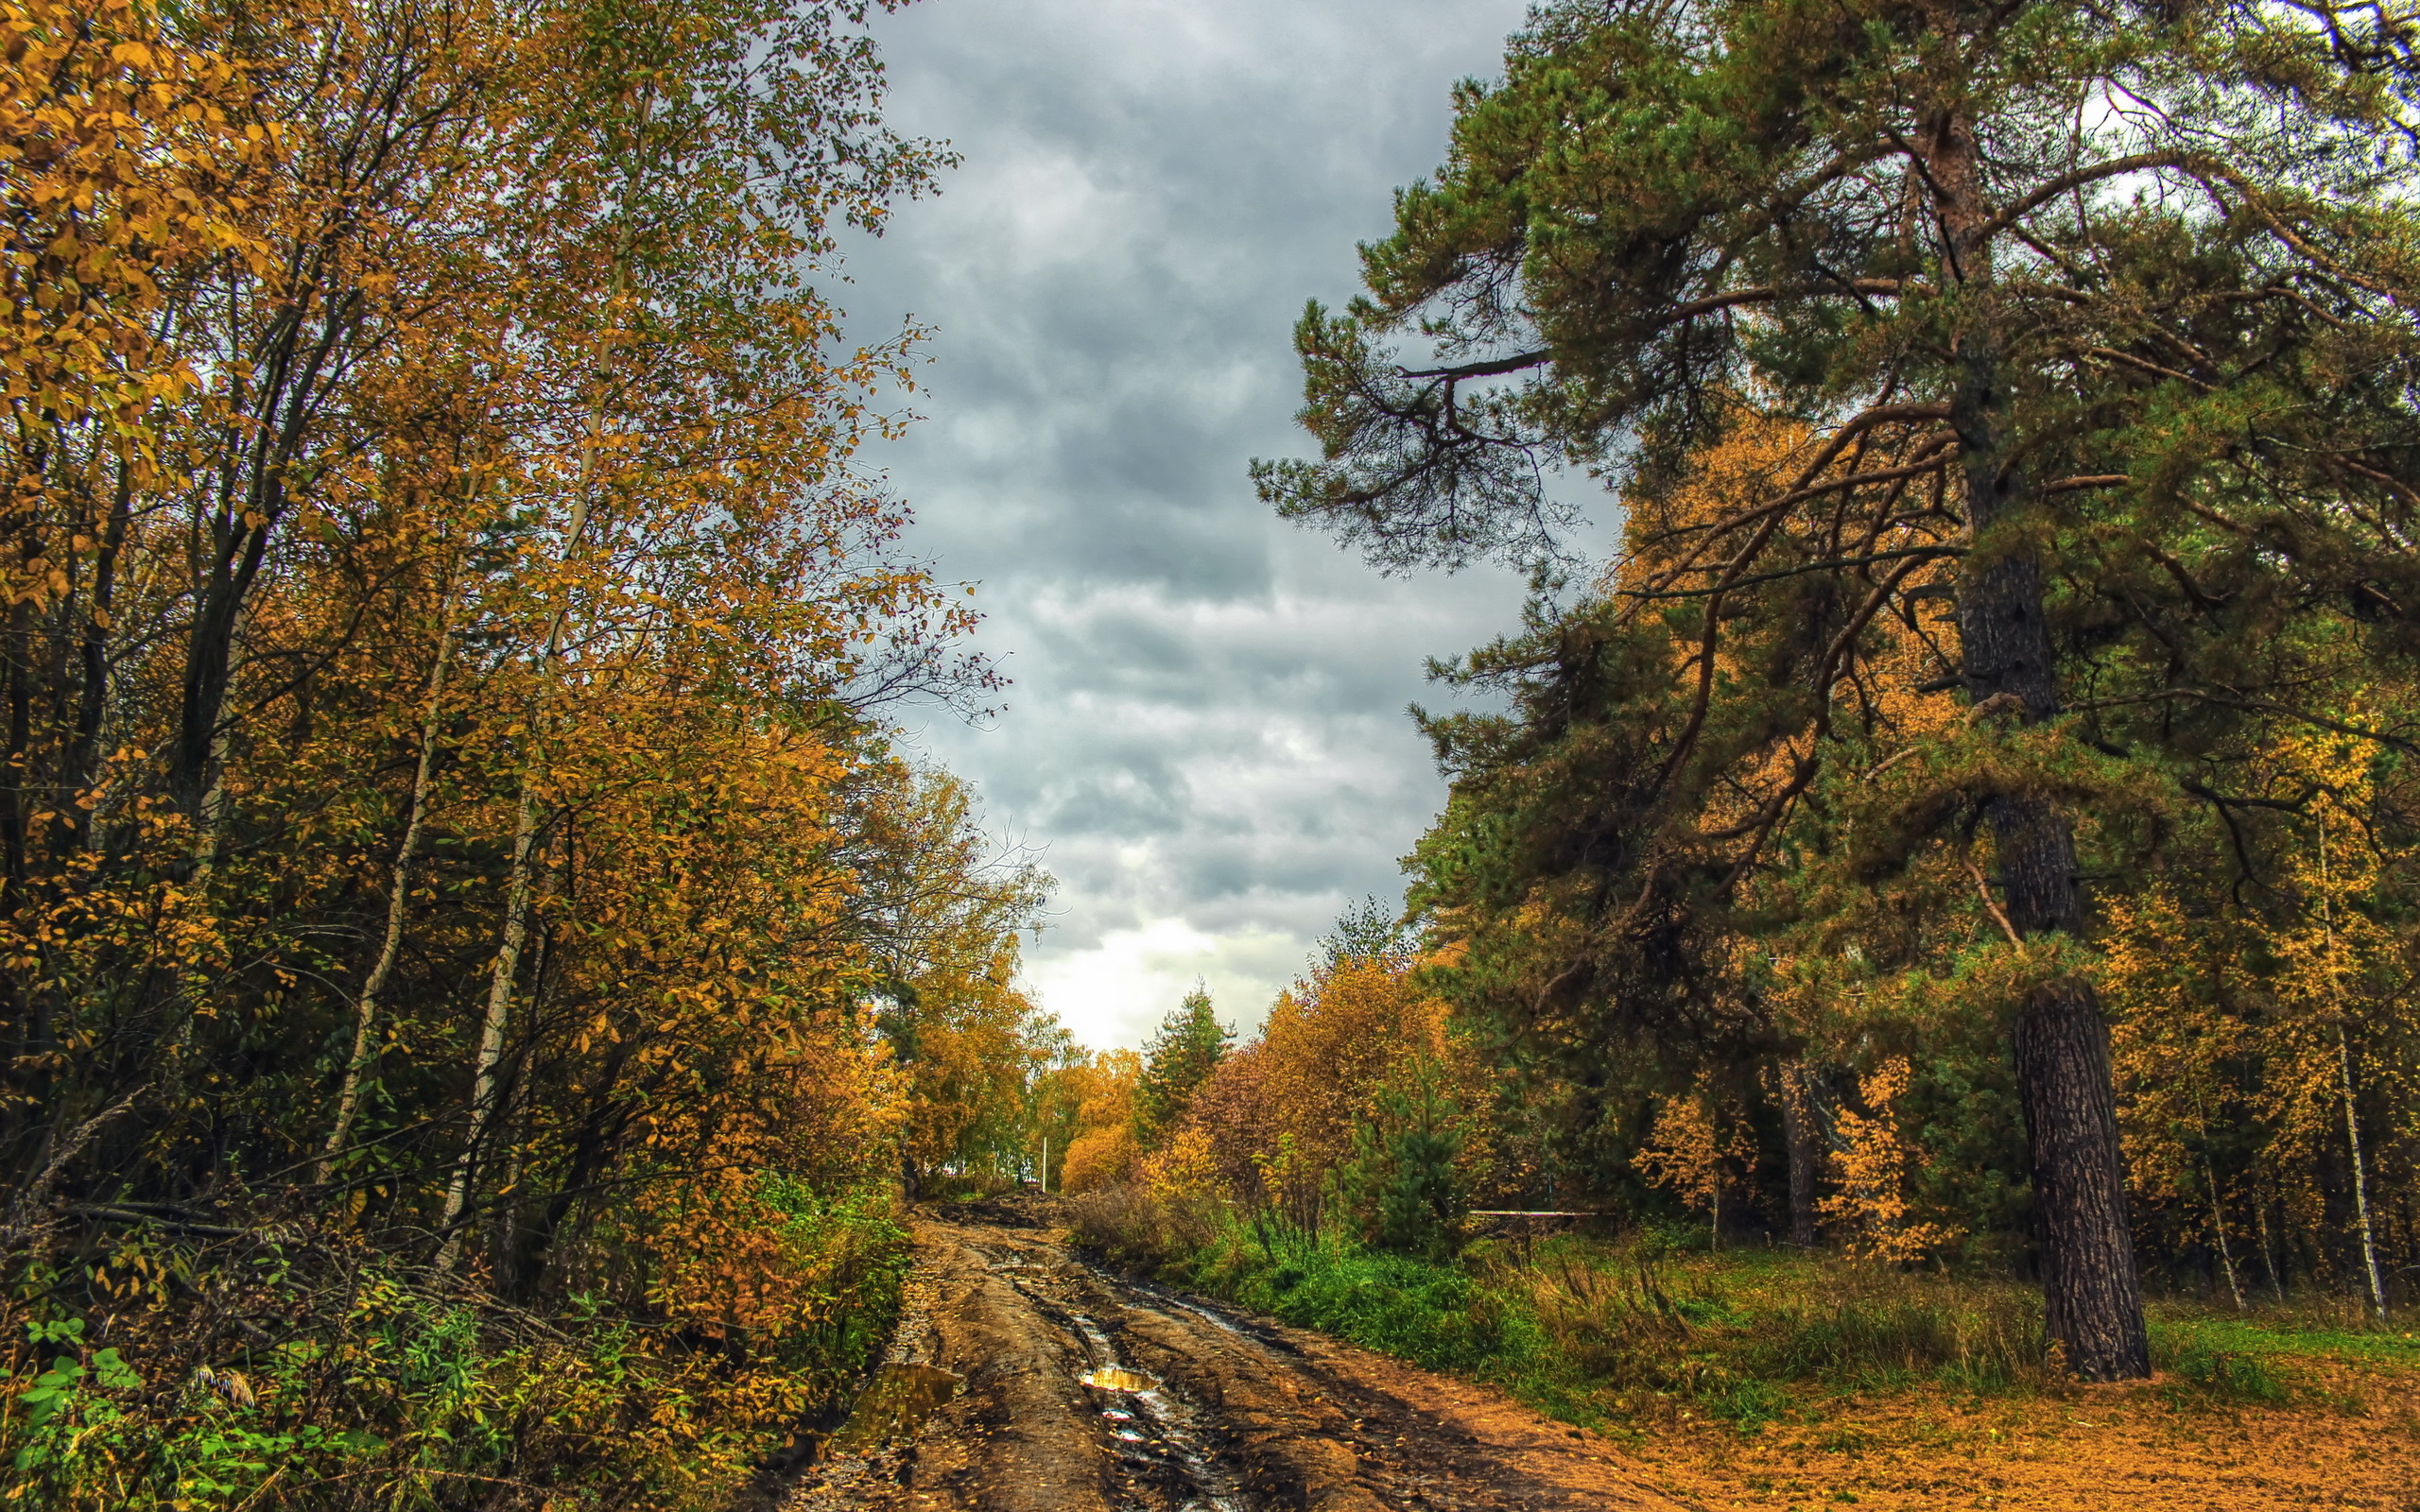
525 830
365 1008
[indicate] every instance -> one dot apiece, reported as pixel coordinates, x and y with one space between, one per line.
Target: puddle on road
895 1403
1176 1439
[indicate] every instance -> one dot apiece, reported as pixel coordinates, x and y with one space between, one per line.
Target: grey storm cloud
1205 740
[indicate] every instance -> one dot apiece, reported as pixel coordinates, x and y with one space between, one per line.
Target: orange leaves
1100 1140
1700 1149
436 499
1290 1101
112 177
1872 1168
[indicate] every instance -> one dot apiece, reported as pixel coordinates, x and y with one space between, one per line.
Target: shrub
303 1371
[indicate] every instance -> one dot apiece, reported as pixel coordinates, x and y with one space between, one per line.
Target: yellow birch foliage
1281 1111
2301 989
1871 1172
1695 1150
1103 1152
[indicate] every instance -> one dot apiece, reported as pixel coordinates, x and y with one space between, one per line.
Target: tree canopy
1188 1046
2009 407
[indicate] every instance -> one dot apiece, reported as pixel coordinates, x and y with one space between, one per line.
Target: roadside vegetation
1338 1171
475 964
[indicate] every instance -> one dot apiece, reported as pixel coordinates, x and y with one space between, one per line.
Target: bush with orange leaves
1872 1168
1101 1151
1276 1119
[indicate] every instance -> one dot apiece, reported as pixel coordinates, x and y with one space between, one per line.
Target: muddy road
1025 1379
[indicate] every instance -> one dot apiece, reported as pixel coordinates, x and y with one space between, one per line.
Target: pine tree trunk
2093 1298
1799 1134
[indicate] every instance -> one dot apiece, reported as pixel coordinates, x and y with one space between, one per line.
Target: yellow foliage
1102 1151
1281 1111
1696 1150
1870 1172
1186 1170
1098 1157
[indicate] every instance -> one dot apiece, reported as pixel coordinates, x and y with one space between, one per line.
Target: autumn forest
491 985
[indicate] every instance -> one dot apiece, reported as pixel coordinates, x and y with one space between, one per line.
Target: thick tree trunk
2093 1296
1800 1135
2093 1303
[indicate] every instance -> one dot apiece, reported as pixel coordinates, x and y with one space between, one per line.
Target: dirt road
1025 1380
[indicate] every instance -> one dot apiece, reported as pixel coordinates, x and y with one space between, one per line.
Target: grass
1791 1382
1597 1332
1763 1380
1638 1330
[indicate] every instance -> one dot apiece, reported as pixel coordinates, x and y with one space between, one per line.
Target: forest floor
2104 1447
1023 1377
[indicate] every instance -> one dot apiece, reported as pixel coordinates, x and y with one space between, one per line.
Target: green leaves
2010 412
1190 1043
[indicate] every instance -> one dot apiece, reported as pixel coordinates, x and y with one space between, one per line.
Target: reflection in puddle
898 1400
1172 1436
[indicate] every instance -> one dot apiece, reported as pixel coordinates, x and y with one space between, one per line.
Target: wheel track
1247 1416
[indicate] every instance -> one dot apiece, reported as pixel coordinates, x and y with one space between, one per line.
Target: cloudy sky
1206 741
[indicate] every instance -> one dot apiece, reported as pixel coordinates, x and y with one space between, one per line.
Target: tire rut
1221 1412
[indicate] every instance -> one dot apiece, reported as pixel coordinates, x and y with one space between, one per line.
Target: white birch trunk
525 830
2219 1226
2344 1067
365 1008
2361 1181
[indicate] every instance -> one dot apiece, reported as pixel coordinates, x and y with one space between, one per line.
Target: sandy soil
1237 1414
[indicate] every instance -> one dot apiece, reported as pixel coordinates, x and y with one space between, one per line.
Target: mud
1088 1392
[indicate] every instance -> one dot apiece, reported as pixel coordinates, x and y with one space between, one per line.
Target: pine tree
1405 1179
1190 1043
2092 321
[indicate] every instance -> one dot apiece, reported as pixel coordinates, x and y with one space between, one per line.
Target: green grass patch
1610 1332
1433 1315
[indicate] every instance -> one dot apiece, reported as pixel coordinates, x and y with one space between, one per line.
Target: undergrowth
280 1366
1640 1329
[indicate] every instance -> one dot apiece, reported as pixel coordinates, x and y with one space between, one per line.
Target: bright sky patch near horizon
1206 741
